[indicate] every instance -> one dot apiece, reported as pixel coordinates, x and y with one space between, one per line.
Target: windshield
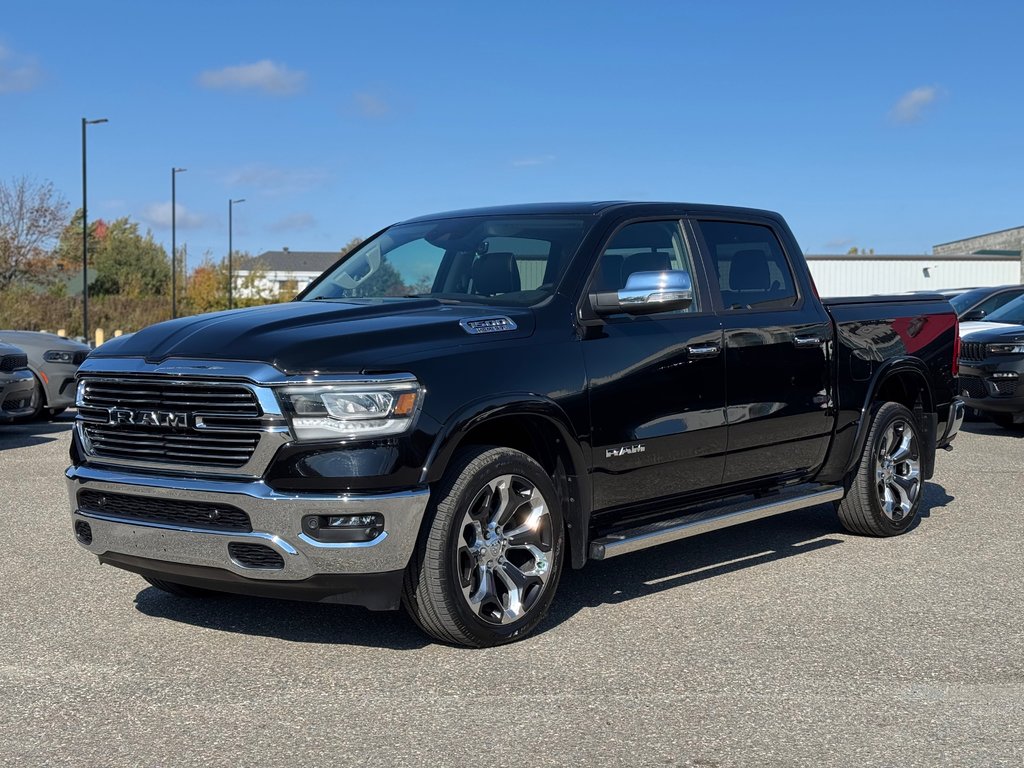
1012 312
500 260
966 300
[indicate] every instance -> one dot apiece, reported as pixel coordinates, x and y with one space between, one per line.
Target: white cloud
528 162
293 223
371 105
18 73
159 215
274 180
262 75
911 104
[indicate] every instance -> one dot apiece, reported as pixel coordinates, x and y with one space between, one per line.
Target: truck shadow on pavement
671 566
987 427
38 432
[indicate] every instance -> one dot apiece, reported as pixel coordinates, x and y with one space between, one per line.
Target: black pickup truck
470 402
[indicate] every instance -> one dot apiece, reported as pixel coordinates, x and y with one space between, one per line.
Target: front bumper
194 554
993 385
17 395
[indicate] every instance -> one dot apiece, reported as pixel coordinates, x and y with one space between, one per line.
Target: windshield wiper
431 296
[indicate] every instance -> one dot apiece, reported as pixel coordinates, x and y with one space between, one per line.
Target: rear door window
751 267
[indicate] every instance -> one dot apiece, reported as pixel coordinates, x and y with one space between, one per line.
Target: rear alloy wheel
486 570
886 493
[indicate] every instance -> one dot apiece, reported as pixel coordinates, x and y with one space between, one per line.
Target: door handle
807 341
703 350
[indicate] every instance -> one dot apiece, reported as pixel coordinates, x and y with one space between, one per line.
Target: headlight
58 356
345 410
1006 349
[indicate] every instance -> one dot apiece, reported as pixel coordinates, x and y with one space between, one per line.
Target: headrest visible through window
495 273
749 271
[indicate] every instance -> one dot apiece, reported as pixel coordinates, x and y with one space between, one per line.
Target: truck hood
327 336
976 327
982 331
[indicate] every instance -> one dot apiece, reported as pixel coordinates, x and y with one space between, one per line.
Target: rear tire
886 493
179 590
486 569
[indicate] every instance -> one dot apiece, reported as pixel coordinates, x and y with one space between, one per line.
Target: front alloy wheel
485 571
505 542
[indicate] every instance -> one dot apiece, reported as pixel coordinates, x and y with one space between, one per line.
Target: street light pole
174 244
85 236
231 205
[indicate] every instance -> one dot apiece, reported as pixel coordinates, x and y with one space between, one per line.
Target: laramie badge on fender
149 418
624 450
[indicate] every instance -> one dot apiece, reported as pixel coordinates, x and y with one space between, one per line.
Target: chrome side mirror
646 293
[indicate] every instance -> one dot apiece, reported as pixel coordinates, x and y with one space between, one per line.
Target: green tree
129 263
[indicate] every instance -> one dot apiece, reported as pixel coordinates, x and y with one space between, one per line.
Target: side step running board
697 523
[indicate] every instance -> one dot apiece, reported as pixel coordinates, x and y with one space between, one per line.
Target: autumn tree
32 215
207 289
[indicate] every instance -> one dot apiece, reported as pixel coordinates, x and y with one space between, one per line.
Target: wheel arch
538 427
903 380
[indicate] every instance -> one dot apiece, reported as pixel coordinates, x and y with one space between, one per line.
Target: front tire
179 590
485 571
886 493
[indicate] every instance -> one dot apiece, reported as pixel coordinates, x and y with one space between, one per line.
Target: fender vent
488 325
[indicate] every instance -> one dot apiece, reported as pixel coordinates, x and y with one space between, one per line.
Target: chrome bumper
276 520
957 411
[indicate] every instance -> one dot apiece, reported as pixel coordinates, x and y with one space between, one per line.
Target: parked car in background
53 362
992 365
979 303
17 385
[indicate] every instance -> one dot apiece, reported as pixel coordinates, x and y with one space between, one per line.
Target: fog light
1004 375
351 521
342 529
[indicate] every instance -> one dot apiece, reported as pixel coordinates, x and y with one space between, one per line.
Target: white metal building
862 274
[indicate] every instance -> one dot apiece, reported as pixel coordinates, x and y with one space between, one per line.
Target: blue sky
891 126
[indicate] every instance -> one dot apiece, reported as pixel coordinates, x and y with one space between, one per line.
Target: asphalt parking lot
783 642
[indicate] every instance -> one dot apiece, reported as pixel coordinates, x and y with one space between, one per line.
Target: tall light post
231 205
85 236
174 242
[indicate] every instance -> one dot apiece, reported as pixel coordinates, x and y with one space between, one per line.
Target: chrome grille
169 423
162 444
195 397
972 350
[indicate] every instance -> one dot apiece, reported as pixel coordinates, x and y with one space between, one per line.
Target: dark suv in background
992 364
979 303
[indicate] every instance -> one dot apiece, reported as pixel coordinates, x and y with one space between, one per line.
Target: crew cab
470 402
